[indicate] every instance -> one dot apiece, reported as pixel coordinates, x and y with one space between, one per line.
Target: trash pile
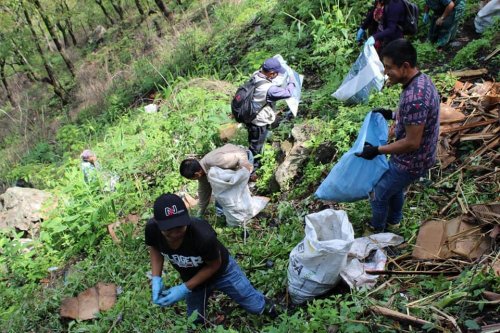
471 114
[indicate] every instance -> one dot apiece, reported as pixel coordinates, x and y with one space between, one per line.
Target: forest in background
69 85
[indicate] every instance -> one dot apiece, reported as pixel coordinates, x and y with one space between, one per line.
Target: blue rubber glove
156 288
426 18
370 41
359 35
174 295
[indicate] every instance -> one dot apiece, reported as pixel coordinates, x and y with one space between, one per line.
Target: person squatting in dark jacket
383 23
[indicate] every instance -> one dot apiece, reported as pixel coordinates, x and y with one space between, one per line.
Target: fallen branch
401 317
448 317
470 73
470 125
386 272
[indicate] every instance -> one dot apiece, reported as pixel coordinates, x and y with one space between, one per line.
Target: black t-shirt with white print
200 245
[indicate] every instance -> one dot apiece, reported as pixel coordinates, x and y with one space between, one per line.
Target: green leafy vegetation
190 72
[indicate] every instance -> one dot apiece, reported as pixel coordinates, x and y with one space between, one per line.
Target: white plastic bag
366 74
316 262
354 272
230 189
282 81
487 15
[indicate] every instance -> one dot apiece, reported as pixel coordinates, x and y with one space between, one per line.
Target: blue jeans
233 283
387 198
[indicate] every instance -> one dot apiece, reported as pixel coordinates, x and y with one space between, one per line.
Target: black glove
369 152
386 113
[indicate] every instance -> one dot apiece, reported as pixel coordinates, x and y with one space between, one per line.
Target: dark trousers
256 139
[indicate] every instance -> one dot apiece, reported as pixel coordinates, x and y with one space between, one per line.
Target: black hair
189 167
400 51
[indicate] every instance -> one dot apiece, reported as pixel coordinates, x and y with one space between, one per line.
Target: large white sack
366 74
316 262
230 189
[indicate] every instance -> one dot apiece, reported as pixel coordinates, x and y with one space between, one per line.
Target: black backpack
409 25
241 105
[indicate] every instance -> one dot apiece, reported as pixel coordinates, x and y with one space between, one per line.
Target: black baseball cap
170 212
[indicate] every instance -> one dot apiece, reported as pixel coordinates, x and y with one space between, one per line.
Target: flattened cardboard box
88 303
440 239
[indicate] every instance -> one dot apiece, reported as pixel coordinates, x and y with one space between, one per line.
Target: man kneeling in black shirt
192 247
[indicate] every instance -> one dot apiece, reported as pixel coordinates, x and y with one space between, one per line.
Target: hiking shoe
270 309
370 230
393 227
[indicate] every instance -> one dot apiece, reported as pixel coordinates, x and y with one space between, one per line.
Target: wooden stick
448 317
386 272
470 73
401 317
470 125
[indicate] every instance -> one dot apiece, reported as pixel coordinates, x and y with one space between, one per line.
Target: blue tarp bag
353 178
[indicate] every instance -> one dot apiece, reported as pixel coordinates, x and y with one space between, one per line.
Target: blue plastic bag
353 178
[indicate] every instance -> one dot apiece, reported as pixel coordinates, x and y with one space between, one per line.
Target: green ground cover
145 150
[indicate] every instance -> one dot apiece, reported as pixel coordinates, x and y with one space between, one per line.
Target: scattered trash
355 273
445 239
462 236
471 114
316 262
90 302
151 108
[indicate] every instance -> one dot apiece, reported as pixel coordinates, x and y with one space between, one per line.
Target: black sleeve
210 249
368 21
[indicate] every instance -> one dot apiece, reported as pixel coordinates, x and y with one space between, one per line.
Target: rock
97 35
325 152
296 156
21 208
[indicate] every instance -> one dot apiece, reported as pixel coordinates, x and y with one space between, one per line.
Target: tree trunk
166 13
52 33
110 19
70 31
26 65
139 7
5 84
63 32
58 89
117 8
67 21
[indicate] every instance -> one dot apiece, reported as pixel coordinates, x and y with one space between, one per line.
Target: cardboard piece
107 295
448 114
88 303
439 239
